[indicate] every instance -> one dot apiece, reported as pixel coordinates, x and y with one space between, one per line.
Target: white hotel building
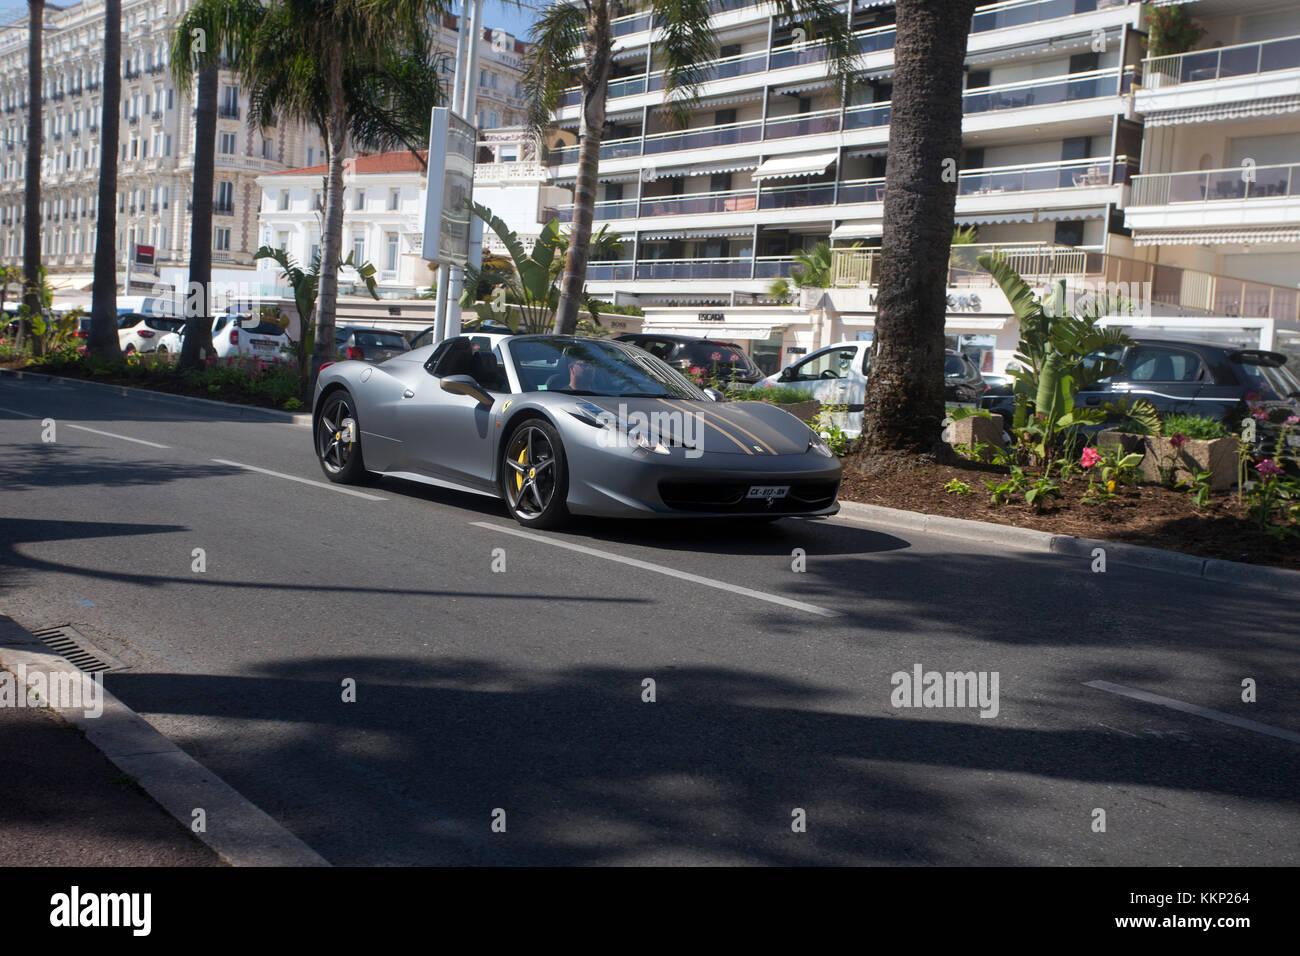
1053 144
156 143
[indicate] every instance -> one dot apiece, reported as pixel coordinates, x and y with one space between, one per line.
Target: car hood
728 428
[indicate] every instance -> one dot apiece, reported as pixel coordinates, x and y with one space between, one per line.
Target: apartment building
156 151
770 162
1219 191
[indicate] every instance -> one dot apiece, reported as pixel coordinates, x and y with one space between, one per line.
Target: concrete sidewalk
65 804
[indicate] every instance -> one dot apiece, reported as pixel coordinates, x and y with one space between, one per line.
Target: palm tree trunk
331 244
32 199
904 402
103 309
595 89
198 326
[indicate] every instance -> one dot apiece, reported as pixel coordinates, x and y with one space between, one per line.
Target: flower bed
243 381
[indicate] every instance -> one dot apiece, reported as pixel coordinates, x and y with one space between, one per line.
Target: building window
226 144
359 250
225 197
394 198
390 258
360 200
314 258
284 200
221 240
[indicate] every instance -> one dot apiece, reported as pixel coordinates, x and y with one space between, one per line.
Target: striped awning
790 167
1225 111
1056 215
992 218
670 172
1213 237
858 229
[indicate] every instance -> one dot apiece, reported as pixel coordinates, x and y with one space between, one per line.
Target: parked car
1190 378
722 360
365 344
837 375
137 332
235 334
425 335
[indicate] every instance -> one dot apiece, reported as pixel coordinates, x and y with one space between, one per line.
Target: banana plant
529 297
305 284
1056 359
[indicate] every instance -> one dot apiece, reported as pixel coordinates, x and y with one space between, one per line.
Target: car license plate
768 492
263 345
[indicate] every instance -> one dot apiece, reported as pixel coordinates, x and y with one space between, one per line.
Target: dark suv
725 361
1189 378
367 344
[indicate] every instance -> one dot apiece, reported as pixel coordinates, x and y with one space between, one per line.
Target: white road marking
661 569
1218 715
305 481
96 431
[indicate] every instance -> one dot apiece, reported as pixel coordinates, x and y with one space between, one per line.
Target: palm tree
315 61
197 343
32 198
904 401
812 272
685 44
103 305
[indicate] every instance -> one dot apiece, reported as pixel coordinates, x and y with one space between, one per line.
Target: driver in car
579 373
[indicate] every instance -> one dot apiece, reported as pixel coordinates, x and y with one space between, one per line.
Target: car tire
341 461
535 475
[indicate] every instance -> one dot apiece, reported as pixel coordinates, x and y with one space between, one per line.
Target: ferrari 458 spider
560 425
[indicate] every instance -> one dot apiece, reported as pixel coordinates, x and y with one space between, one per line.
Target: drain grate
72 645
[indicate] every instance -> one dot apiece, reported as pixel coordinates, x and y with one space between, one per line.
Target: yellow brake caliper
519 475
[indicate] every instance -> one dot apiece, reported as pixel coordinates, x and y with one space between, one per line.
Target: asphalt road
523 691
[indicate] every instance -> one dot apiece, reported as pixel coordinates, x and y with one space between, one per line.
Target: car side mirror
714 395
785 375
464 385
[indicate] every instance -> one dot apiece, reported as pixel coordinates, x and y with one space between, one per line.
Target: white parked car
137 332
836 375
239 335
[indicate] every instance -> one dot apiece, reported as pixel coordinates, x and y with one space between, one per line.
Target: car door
1168 377
826 375
446 435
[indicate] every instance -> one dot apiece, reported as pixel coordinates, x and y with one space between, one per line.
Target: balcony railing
1067 174
762 267
227 111
223 209
1217 185
1039 264
1099 83
1243 59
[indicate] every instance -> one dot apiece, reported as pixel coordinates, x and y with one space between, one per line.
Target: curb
243 411
237 831
1235 573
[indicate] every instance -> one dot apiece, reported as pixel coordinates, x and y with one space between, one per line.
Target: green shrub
1195 426
777 394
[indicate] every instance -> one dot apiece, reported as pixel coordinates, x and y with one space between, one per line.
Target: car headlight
641 440
817 443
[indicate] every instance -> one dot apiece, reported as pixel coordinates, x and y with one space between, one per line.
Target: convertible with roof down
562 425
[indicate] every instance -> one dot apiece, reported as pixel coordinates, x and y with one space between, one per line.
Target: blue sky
496 14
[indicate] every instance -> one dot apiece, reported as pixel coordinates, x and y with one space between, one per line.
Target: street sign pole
466 98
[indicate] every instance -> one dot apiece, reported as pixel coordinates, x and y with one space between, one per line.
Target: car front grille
729 496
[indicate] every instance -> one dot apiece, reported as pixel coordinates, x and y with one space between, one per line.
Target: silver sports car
560 425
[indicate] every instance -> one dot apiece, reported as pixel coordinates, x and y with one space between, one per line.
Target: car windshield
952 366
592 367
1271 381
717 358
380 340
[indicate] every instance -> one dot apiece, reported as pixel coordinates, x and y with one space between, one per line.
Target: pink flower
1090 457
1293 420
1261 414
1177 441
715 356
1269 468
